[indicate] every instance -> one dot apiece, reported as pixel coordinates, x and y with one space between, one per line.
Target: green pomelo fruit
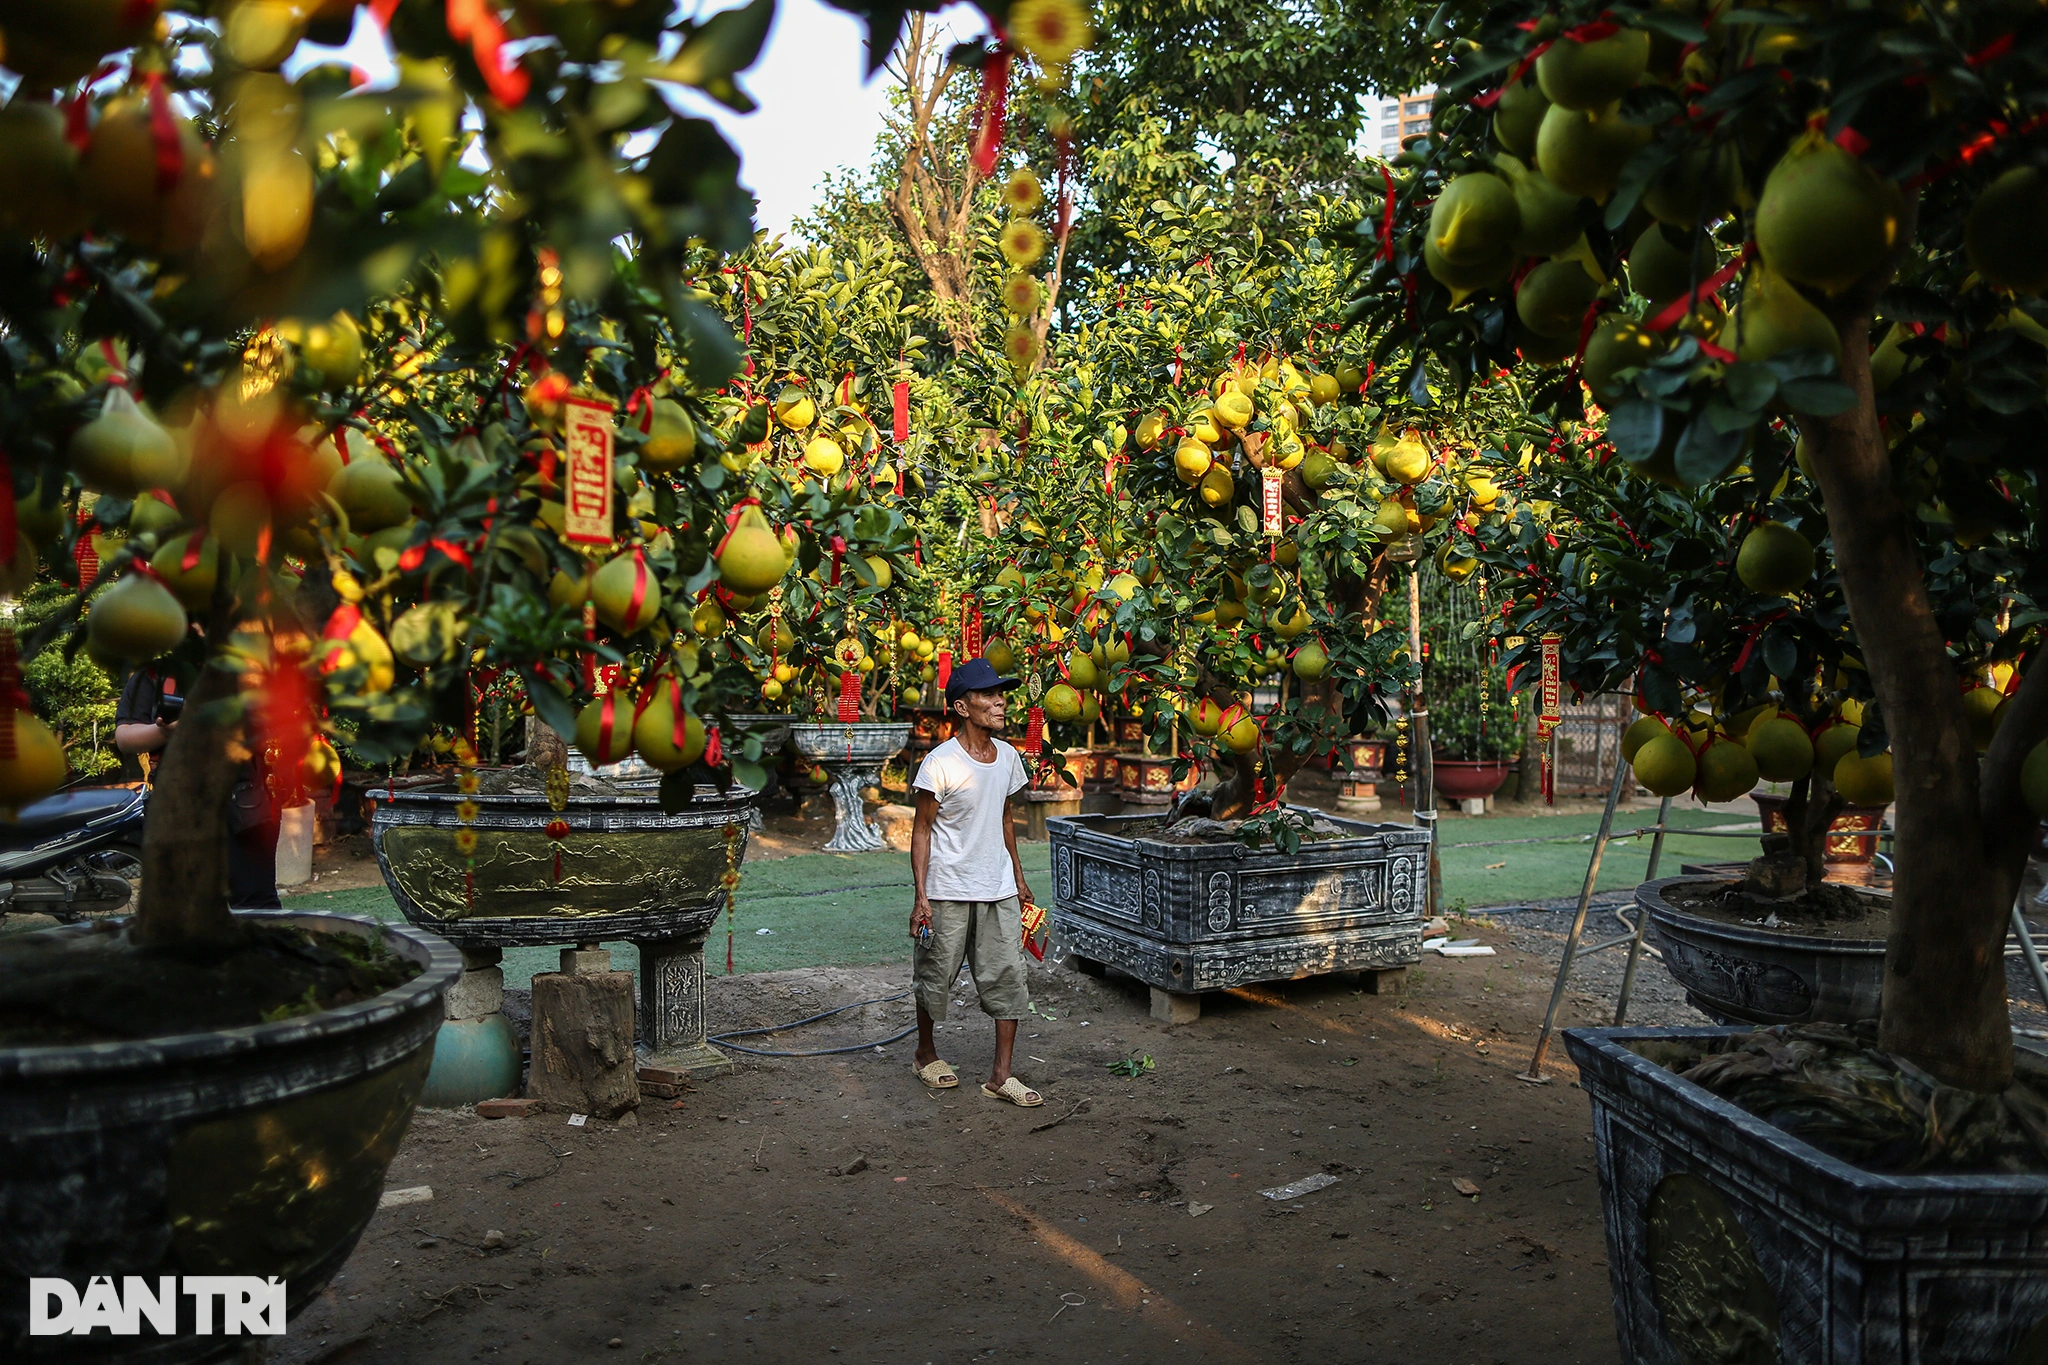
1727 770
1660 266
370 490
1551 219
613 590
192 587
601 744
1865 781
1518 115
1831 745
654 734
1617 344
1538 349
1825 219
1575 75
1081 670
1665 766
1467 279
1774 560
1982 703
1583 151
1062 703
2034 780
137 619
1552 299
1999 236
1782 750
1699 185
1773 316
1640 732
1475 219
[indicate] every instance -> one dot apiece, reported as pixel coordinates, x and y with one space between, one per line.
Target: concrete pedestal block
583 1043
295 845
672 1007
1173 1007
1392 981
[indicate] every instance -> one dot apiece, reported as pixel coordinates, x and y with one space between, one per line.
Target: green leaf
726 44
1750 386
1636 428
751 775
1817 397
551 706
1705 454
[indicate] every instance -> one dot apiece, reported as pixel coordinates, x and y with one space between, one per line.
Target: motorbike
74 853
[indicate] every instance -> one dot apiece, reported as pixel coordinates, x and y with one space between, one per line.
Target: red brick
508 1109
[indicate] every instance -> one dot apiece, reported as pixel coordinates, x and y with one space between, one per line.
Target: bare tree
934 196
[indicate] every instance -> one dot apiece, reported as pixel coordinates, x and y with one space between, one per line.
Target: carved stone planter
626 871
1746 973
1187 918
1147 779
852 756
1730 1240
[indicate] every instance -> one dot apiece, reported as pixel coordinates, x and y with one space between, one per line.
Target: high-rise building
1403 118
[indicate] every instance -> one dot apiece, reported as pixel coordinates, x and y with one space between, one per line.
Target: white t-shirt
970 861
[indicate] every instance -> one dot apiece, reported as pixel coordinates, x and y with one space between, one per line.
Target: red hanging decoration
1034 731
1551 714
13 697
970 628
943 668
714 749
163 132
476 23
849 697
558 830
900 401
88 559
990 110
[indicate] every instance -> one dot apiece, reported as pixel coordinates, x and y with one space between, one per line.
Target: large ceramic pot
1730 1240
852 756
1464 779
1188 918
1743 973
602 868
258 1150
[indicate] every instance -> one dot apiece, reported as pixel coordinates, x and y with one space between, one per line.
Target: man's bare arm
1010 843
921 860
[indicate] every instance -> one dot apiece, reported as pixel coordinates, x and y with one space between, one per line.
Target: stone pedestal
1175 1007
672 1007
1037 812
583 1043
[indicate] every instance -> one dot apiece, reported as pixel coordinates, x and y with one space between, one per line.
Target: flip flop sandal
938 1075
1016 1092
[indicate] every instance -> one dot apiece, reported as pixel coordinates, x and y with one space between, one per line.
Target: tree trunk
184 900
1957 870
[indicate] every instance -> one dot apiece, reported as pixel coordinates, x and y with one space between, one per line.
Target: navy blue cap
976 675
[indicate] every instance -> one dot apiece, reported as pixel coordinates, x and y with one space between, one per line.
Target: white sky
817 115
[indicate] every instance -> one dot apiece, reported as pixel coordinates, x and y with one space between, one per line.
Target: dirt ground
1130 1228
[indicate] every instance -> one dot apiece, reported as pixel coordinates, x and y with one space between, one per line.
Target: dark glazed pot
247 1151
1742 973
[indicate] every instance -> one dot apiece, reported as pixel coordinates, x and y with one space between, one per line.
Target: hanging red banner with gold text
1269 499
1550 714
587 490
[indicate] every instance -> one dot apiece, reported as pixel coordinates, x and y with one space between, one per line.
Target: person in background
143 722
968 885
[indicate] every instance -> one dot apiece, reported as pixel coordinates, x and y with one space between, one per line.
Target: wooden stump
583 1043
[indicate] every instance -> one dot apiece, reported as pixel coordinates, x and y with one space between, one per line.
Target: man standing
968 882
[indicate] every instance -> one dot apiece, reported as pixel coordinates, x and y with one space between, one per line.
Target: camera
169 706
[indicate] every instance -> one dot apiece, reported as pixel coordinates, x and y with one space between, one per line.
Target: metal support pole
2019 926
1635 946
1571 943
1423 765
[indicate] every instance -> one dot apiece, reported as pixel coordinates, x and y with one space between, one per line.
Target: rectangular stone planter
1186 918
1147 779
1730 1240
1102 771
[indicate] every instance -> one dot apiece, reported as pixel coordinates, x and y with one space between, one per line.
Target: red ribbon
1682 305
476 23
900 399
714 749
679 733
641 578
163 131
990 109
1756 628
343 622
943 670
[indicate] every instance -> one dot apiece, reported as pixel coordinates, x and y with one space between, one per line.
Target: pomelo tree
1822 215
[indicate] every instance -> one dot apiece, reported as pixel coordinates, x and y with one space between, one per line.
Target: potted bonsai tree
1871 240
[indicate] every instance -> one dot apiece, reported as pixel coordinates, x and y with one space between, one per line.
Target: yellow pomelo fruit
1317 468
794 408
1081 670
137 619
1408 462
564 591
1617 344
1151 430
1239 731
1323 389
824 456
775 637
1592 75
604 729
1216 487
111 453
1831 744
1191 460
1982 703
1660 268
1726 770
1773 316
1475 219
1665 766
1782 749
671 438
1205 718
1583 151
38 766
2034 780
654 734
1825 219
2000 234
1062 702
1518 115
708 620
1289 626
1640 732
1865 781
1390 519
1011 577
1552 220
1552 299
373 494
192 587
885 577
1310 662
626 593
999 655
1234 410
1774 560
752 559
1485 492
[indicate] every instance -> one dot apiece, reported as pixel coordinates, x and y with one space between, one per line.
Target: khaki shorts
989 935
